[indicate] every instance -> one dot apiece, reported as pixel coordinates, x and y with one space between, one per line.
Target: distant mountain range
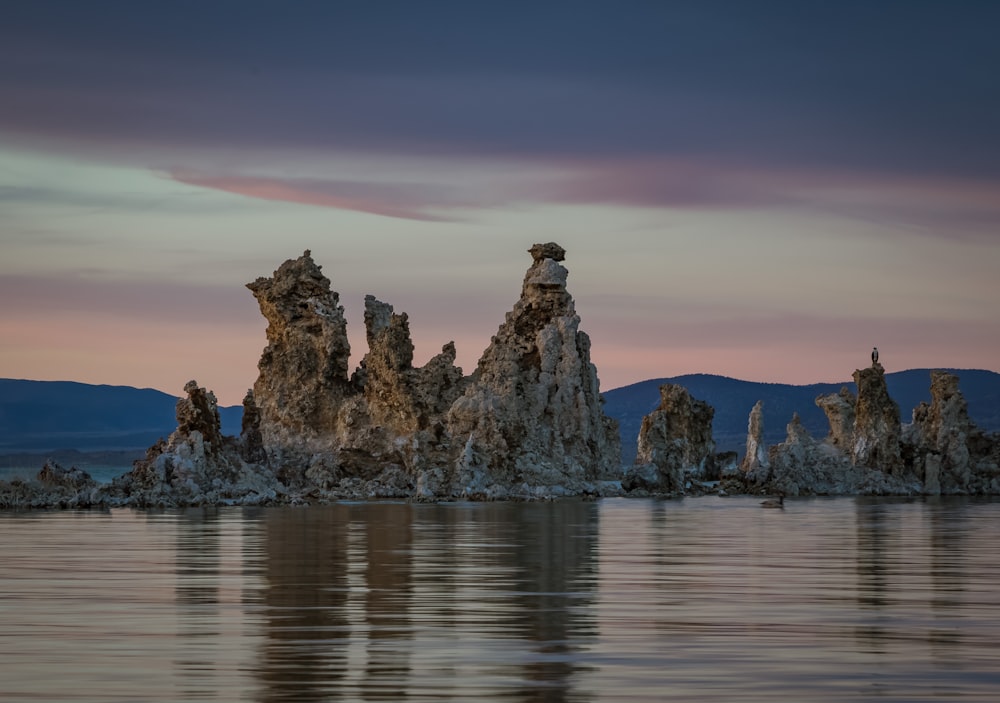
45 416
733 399
50 417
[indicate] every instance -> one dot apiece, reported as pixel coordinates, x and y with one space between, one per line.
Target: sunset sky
757 189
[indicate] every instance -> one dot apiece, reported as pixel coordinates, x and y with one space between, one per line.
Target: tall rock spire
533 412
304 368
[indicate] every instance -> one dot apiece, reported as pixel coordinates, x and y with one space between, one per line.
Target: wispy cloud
412 201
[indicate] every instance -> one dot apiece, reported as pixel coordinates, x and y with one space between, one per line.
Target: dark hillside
41 416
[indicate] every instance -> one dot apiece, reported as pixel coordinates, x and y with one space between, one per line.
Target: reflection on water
703 599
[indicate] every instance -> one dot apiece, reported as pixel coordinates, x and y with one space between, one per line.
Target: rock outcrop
526 424
304 368
868 451
53 487
676 439
860 455
947 451
877 429
195 465
802 465
840 413
756 466
531 415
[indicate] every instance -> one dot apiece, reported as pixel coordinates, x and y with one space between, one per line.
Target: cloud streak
412 201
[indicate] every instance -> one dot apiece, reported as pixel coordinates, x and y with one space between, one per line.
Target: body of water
706 599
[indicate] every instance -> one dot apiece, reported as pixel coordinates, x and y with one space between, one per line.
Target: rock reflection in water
706 599
493 599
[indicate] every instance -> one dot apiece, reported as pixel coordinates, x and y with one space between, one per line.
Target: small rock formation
840 412
531 415
53 487
195 465
251 440
756 466
877 429
868 452
802 465
676 439
53 475
948 452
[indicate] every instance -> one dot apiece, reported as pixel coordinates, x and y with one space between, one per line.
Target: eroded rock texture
195 465
756 465
868 452
948 452
304 368
877 429
802 465
840 413
526 424
531 415
676 439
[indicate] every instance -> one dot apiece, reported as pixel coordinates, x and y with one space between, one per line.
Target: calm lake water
706 599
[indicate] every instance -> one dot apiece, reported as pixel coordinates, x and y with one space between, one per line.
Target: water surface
704 599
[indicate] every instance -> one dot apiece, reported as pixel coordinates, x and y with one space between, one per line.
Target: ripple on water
698 599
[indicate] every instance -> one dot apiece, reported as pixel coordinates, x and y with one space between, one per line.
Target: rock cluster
526 424
531 415
948 453
755 465
675 444
869 451
195 465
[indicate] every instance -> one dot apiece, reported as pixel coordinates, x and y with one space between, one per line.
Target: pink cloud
407 201
952 209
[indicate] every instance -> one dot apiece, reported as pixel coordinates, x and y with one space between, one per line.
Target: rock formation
531 415
676 439
869 452
195 465
875 440
304 368
840 413
756 466
54 487
526 424
947 451
861 453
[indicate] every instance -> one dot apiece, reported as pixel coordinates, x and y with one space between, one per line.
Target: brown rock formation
802 465
676 438
195 465
840 412
948 452
528 419
532 412
251 440
876 435
756 466
304 368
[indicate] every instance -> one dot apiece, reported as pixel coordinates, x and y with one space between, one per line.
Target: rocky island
868 450
526 424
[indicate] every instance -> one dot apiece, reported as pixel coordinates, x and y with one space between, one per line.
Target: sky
763 190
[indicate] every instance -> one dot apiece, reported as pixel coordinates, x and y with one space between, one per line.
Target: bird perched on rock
874 355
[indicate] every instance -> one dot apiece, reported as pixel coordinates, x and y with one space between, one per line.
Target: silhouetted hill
45 416
733 399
